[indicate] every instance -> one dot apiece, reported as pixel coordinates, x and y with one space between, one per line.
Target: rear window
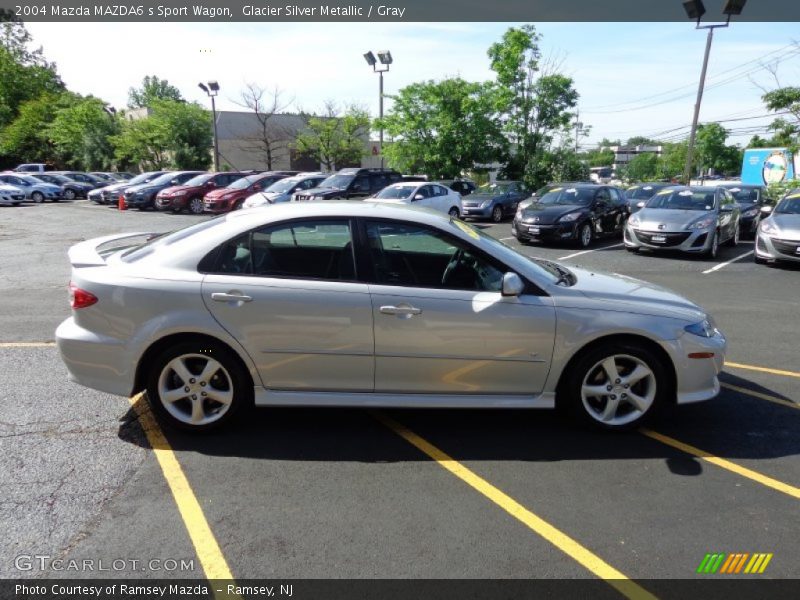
153 241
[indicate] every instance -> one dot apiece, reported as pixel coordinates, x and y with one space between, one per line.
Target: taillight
79 298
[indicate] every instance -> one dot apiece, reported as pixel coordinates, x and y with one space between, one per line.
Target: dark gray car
495 201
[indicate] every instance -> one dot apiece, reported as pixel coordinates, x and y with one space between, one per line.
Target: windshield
145 177
789 205
30 179
400 192
165 178
683 200
493 188
243 183
568 196
744 195
58 178
337 181
641 192
199 179
283 185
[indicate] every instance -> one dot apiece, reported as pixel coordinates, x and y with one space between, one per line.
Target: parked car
70 189
83 178
642 192
778 237
546 188
495 201
576 213
111 176
428 195
35 189
32 168
436 314
350 184
189 195
232 197
11 195
694 219
463 186
283 189
750 198
143 195
111 193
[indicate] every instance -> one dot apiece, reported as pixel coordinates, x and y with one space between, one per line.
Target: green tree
553 166
673 160
152 89
443 128
787 130
81 134
642 141
643 167
599 158
711 152
335 139
27 137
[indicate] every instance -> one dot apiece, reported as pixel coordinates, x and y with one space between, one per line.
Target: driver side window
410 255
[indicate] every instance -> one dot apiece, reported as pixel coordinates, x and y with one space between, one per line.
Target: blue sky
616 66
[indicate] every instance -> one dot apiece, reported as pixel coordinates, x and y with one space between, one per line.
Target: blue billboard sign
762 166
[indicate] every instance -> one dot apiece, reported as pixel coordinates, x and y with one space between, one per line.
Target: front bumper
538 232
695 241
138 201
697 378
172 203
775 248
477 212
217 206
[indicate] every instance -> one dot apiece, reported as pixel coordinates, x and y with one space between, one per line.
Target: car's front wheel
453 212
585 235
197 386
616 386
69 194
37 197
497 214
196 206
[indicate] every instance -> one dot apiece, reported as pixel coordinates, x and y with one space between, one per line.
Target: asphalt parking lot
323 493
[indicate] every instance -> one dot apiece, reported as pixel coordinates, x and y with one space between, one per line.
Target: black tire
497 214
585 367
69 194
632 249
583 240
758 260
37 197
713 249
453 212
195 206
231 379
734 241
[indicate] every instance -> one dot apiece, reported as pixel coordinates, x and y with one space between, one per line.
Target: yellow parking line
780 486
559 539
762 369
205 544
27 344
760 395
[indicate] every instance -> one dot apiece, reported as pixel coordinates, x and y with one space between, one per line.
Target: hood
220 192
174 188
788 225
11 189
116 187
549 213
476 198
259 199
389 200
634 295
666 219
321 191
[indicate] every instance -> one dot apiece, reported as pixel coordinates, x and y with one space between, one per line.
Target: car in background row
143 195
81 177
576 213
32 168
34 188
111 193
642 192
70 189
750 198
778 236
546 188
350 184
463 186
11 195
233 196
283 189
110 177
428 195
694 219
189 195
494 201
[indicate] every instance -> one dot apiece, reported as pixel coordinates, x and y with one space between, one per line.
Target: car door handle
401 311
223 297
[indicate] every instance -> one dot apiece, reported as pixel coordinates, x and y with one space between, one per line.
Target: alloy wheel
618 390
195 389
196 206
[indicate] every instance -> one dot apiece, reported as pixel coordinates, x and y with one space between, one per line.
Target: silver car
693 219
35 189
283 189
11 195
778 234
365 304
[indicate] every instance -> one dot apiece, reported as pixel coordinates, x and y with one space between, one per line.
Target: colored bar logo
733 564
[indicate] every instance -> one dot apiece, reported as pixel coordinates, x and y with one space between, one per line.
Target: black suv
350 183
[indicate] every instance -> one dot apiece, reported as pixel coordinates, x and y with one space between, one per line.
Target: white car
10 194
282 190
430 195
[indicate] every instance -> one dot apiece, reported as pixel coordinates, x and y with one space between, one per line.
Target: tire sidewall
497 214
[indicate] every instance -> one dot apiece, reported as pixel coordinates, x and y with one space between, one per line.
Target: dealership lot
397 494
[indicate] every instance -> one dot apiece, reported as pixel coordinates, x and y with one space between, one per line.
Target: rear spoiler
85 254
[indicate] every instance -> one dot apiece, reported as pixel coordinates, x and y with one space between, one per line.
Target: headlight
704 328
178 194
485 203
570 217
768 227
703 223
752 212
634 220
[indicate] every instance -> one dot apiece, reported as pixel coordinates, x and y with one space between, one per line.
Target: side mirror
640 204
766 210
419 197
512 285
726 208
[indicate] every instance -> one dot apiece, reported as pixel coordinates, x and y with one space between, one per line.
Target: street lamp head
733 7
370 58
213 86
203 87
694 9
385 57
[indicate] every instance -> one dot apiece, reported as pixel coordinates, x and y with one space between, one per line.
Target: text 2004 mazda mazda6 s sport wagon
366 304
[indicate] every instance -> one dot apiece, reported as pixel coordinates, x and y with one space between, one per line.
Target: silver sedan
366 304
778 235
693 219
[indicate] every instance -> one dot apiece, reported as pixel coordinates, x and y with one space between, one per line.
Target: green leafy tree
152 89
711 152
673 160
553 166
27 137
642 141
643 167
443 128
335 139
81 134
599 158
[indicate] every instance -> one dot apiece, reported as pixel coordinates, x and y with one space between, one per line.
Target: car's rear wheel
617 386
196 206
37 197
497 214
197 386
453 212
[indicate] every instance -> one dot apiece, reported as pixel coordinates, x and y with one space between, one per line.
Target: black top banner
391 11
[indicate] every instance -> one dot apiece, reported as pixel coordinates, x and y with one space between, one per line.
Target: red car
232 197
190 194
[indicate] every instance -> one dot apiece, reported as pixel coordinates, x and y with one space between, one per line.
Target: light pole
695 10
385 57
212 89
